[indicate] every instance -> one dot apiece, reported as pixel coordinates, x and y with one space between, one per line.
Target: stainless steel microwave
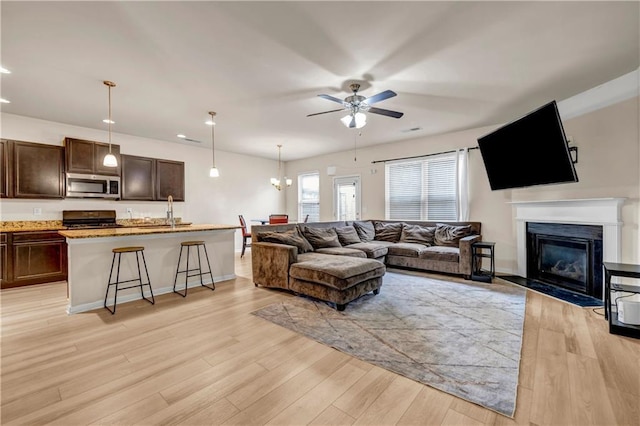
81 185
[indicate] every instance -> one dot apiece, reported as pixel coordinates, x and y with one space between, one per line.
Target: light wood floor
206 360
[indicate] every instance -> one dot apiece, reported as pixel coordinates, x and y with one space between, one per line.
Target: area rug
463 338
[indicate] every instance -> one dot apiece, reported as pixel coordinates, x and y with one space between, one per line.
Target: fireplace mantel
605 212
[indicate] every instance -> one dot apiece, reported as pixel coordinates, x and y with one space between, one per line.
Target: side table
480 250
619 270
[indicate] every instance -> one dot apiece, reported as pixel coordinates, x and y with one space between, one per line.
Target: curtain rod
420 156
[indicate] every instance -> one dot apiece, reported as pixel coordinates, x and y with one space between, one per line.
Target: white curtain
463 185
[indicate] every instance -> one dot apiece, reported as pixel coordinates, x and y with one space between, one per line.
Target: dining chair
278 218
246 235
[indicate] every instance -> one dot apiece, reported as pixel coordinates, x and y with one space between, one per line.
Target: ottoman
336 279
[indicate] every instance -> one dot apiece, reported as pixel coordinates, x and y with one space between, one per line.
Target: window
425 188
309 197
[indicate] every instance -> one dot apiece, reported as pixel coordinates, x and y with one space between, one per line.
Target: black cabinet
84 156
35 170
151 179
33 258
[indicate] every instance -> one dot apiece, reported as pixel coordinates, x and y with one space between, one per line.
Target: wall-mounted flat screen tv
531 150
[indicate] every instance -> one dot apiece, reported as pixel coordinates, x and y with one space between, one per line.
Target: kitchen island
89 258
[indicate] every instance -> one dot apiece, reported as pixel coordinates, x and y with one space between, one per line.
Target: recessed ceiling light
210 123
4 71
106 120
181 136
4 101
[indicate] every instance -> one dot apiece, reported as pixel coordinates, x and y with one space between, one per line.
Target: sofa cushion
441 253
342 251
321 237
339 272
365 231
418 234
450 235
347 235
373 250
407 249
291 237
387 231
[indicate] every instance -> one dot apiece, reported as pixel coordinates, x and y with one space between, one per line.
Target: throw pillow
348 235
418 234
365 231
387 231
321 237
450 235
291 237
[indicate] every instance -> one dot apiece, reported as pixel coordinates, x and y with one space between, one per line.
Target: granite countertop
151 226
142 230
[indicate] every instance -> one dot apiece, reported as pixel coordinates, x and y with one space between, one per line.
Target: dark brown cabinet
151 179
36 170
4 173
169 180
33 258
87 156
3 260
138 178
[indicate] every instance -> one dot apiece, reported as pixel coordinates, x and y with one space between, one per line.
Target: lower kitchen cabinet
33 258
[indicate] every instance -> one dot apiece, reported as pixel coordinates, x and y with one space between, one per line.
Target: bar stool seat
117 252
186 271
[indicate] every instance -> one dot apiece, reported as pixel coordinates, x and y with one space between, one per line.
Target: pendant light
214 172
110 159
276 181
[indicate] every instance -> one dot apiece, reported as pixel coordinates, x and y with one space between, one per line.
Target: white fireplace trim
605 212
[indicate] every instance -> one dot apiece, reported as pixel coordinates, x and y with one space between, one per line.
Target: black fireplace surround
566 255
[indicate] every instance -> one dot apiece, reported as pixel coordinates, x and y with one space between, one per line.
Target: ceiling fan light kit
357 105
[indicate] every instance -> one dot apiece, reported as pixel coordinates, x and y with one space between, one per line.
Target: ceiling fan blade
380 97
331 98
325 112
387 112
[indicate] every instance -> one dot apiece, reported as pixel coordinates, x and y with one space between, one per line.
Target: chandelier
276 181
110 160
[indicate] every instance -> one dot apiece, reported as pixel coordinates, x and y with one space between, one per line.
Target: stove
89 219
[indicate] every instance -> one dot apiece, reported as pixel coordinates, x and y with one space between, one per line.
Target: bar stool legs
118 252
197 245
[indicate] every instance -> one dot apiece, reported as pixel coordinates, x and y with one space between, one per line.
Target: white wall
242 188
609 163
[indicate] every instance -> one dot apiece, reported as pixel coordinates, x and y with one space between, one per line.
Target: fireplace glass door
564 261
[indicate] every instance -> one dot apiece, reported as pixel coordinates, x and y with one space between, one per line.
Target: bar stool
197 245
139 251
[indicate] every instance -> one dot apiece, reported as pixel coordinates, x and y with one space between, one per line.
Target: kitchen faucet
170 219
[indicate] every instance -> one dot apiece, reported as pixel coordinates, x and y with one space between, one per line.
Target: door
346 195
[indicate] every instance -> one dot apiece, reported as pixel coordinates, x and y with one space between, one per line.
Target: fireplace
566 255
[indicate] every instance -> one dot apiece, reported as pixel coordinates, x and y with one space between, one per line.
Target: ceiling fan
357 105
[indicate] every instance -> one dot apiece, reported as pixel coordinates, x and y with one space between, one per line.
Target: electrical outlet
37 211
129 210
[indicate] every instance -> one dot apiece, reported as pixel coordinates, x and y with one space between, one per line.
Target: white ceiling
260 65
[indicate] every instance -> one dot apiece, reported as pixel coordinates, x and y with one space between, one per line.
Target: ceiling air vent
413 129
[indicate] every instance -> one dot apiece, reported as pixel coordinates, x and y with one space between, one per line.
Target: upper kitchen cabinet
4 173
36 170
151 179
137 178
86 157
169 180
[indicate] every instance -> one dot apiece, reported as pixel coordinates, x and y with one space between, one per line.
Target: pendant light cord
213 144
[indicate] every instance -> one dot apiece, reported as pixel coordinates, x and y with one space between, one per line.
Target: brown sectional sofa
340 261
